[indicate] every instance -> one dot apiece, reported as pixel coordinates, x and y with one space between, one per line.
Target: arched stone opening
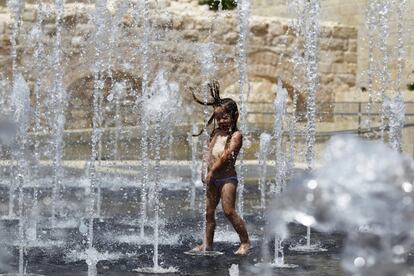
266 67
264 71
119 93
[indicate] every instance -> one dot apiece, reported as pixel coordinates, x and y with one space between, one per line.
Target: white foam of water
137 239
163 102
159 270
229 236
361 185
314 247
91 255
276 265
234 270
20 102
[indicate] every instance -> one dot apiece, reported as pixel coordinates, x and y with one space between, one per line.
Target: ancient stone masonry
179 32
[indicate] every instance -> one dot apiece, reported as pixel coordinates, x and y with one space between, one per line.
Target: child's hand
208 178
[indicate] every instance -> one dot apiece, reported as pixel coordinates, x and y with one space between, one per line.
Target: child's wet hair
228 104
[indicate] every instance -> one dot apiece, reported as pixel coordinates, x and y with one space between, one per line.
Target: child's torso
217 148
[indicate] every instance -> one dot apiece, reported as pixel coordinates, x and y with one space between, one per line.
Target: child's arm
229 153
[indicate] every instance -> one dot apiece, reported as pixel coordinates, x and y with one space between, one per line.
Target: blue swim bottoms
221 181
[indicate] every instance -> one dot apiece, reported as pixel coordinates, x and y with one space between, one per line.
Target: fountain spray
100 8
208 69
15 12
384 78
370 22
59 103
396 108
264 150
158 110
38 57
243 11
311 46
280 164
297 26
144 123
157 190
21 107
280 179
193 141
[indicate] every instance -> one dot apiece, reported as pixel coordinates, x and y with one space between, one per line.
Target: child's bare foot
243 249
201 248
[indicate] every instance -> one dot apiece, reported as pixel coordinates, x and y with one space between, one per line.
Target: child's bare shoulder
237 135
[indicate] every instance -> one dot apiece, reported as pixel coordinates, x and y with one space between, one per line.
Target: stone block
332 56
349 79
188 22
259 28
163 21
76 41
231 38
344 68
254 40
29 16
344 32
326 31
5 40
177 23
84 29
351 57
353 45
76 102
79 114
49 29
282 40
202 24
275 29
128 20
192 35
326 78
333 44
325 67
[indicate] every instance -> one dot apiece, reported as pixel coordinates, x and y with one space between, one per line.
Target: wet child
220 176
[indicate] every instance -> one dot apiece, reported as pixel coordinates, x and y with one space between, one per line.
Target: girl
221 176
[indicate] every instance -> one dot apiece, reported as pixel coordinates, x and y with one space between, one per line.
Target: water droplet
312 184
407 187
310 197
359 262
398 250
407 200
83 228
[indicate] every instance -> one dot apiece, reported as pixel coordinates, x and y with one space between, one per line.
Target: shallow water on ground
117 233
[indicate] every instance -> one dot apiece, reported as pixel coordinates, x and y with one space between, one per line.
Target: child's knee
210 218
230 212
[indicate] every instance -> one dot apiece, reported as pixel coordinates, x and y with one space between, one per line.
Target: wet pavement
117 233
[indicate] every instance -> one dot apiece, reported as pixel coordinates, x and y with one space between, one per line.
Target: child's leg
228 200
213 198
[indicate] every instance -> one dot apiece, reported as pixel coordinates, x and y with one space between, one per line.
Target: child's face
224 119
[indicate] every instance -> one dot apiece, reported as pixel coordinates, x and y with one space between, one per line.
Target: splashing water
163 100
234 270
395 112
265 139
20 103
355 191
243 11
280 110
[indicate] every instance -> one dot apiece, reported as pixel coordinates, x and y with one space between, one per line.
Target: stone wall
179 39
353 13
